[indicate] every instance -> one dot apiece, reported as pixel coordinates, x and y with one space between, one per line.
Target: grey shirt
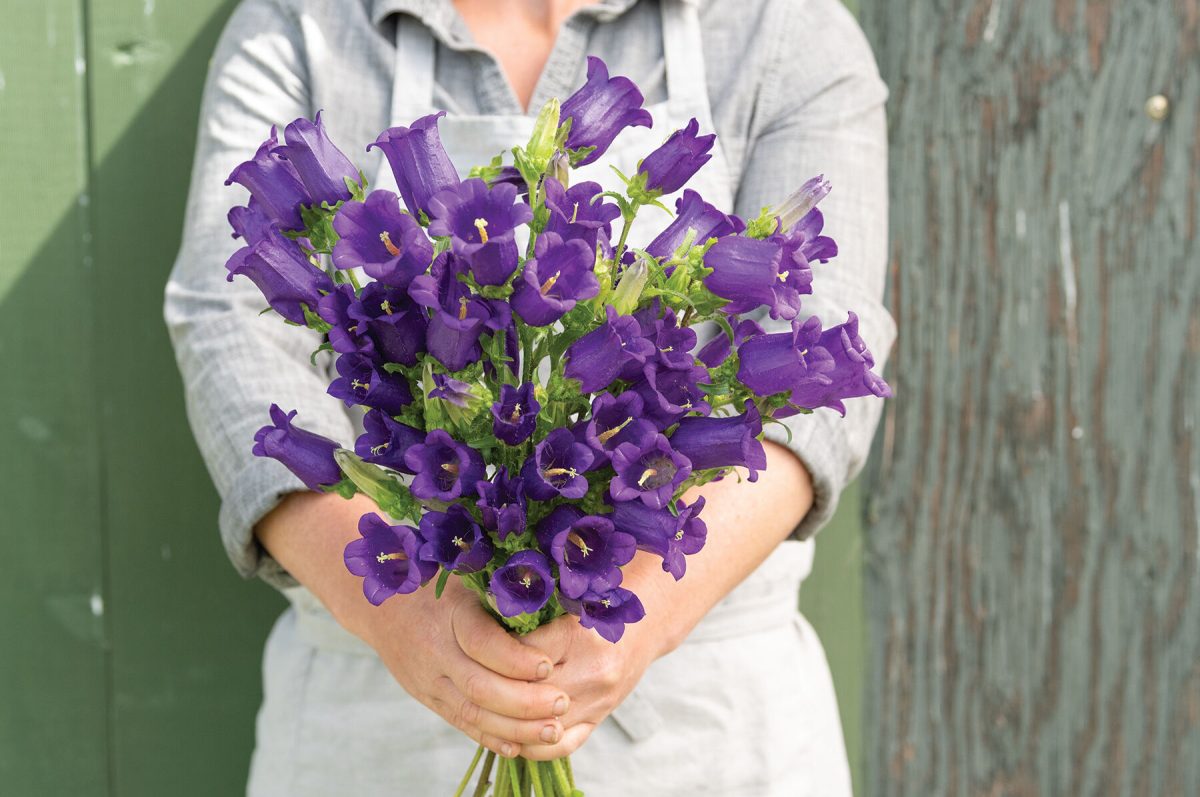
794 92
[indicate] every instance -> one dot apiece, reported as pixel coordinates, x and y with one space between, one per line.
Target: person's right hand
447 652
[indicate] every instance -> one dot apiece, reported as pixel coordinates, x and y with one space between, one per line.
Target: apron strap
683 56
412 77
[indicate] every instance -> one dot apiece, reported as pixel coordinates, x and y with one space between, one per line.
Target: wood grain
1033 584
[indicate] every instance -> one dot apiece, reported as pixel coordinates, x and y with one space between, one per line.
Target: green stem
560 777
535 775
462 786
514 778
620 250
501 789
570 775
481 787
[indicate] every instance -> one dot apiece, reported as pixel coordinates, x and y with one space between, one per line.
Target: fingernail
506 750
549 734
543 671
560 707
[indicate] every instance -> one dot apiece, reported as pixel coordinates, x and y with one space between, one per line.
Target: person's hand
447 652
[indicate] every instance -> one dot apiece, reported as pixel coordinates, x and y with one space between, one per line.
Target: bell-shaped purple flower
514 416
658 531
846 374
745 271
597 358
616 420
360 382
553 281
717 350
672 343
579 212
308 455
251 223
445 468
523 584
722 442
651 472
481 223
557 466
601 109
669 394
321 167
387 559
560 519
589 554
502 504
667 168
781 361
273 183
454 540
459 317
608 613
377 237
452 390
396 325
284 275
385 440
347 334
693 213
419 162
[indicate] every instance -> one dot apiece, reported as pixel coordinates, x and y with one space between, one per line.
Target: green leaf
441 583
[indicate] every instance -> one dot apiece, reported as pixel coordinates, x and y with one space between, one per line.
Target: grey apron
744 708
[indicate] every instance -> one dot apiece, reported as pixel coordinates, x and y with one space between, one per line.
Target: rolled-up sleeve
821 111
234 361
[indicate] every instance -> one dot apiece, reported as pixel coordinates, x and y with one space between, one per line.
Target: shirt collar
440 14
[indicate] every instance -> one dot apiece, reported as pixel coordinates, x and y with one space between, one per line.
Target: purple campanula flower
560 519
722 442
597 358
481 223
360 382
807 236
445 468
377 237
273 183
580 212
452 390
693 213
589 554
616 420
514 416
552 282
502 503
671 393
601 109
845 374
385 441
284 275
459 317
523 584
608 613
650 472
746 272
781 361
557 467
454 540
396 325
321 167
802 201
304 453
672 343
251 223
667 168
347 335
387 558
659 532
717 350
419 162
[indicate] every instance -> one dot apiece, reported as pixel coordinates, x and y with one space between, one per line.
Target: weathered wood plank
187 633
1033 577
53 674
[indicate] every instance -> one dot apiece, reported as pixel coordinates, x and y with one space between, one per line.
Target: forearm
746 521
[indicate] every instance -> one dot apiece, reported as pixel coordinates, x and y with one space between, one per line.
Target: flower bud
560 168
629 290
371 480
804 199
543 142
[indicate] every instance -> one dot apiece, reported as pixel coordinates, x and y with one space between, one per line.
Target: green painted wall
129 660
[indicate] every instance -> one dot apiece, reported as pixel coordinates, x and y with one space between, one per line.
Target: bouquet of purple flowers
535 401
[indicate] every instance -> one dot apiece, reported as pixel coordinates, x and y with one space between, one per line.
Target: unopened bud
371 480
629 290
805 198
545 133
560 168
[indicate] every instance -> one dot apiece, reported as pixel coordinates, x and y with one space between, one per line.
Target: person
723 688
